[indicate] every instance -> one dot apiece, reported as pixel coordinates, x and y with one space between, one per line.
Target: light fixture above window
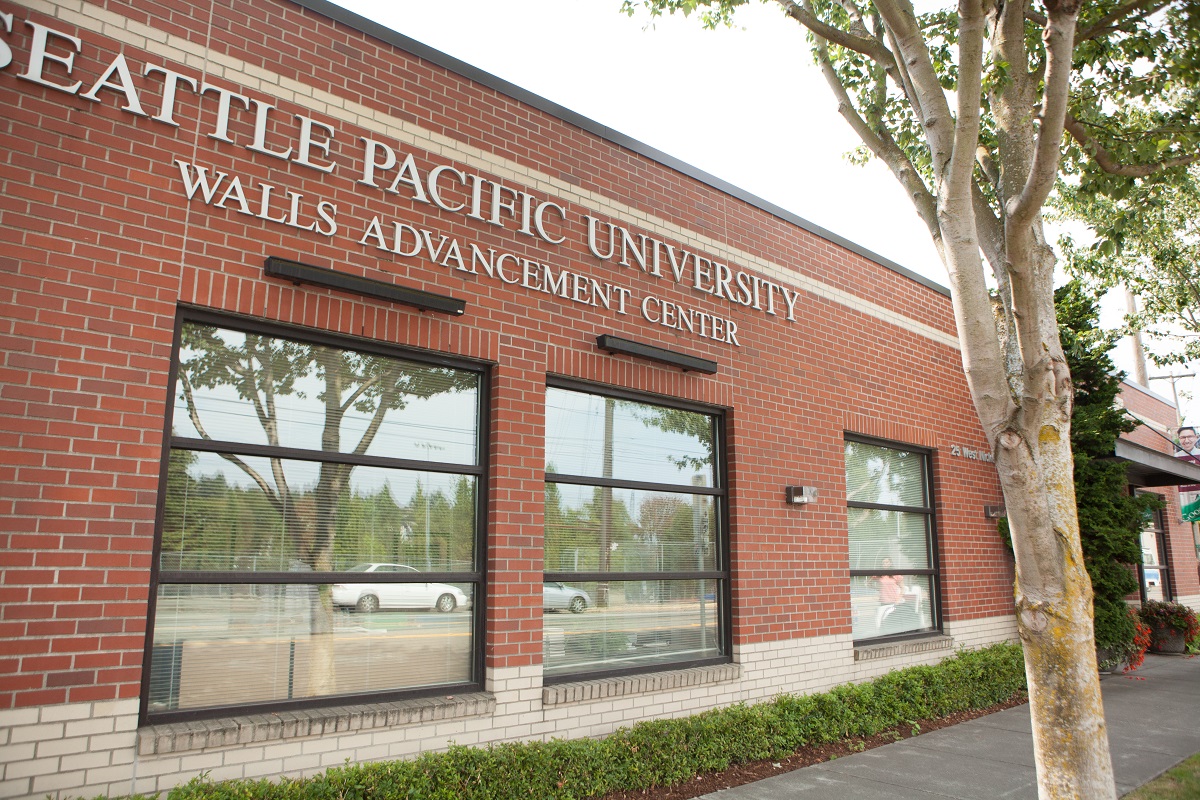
367 287
615 344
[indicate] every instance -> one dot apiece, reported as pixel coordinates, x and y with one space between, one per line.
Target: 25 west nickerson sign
157 92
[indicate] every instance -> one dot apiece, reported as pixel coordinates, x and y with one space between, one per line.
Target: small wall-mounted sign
973 455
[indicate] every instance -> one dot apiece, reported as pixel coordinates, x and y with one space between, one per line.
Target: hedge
657 752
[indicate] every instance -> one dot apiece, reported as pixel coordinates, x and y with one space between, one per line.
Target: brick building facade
290 298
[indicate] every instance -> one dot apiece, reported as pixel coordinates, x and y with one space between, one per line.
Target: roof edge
1127 381
1148 466
465 70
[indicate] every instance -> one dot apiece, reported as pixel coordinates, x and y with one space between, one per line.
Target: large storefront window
893 564
635 567
319 529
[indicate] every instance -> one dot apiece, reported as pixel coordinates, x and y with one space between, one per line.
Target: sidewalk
1153 717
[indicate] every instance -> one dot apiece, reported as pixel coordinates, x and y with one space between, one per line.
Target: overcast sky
746 105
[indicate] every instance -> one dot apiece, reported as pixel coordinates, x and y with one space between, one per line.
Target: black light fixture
367 287
615 344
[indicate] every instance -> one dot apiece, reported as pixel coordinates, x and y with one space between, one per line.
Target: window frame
1158 526
722 575
929 511
478 470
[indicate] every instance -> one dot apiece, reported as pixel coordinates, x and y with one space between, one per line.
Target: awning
1145 467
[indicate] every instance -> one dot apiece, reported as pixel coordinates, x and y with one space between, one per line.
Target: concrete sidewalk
1153 717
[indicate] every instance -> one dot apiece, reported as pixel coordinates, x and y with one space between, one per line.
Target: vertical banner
1189 502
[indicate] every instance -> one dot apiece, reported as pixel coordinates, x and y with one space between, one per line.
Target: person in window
891 596
899 603
891 587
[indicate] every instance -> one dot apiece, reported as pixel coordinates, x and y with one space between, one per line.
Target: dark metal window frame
720 495
160 577
1159 518
929 510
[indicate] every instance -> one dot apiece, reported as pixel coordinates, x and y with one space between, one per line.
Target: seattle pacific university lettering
158 93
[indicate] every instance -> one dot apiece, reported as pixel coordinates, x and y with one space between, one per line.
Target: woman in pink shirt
891 587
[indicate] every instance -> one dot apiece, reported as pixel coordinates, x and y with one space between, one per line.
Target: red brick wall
100 247
1157 413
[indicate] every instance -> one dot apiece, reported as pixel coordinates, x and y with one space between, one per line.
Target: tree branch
1010 100
928 98
858 25
1113 19
388 397
189 399
880 144
987 224
859 44
958 199
1043 173
357 393
272 496
1105 159
905 81
959 180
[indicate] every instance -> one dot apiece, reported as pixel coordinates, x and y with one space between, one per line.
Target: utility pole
428 447
1139 352
606 503
1173 378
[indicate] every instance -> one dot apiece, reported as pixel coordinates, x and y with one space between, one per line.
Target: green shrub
656 752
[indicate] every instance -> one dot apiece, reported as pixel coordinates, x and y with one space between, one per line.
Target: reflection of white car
1152 577
558 596
368 597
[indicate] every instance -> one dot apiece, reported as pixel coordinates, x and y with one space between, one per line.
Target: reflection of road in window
296 468
633 554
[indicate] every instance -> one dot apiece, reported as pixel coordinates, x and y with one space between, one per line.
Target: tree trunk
1023 396
1022 390
1054 618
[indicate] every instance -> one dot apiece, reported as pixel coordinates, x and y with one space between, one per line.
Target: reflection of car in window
1152 577
560 597
369 597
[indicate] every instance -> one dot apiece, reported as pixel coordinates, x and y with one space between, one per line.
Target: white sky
746 105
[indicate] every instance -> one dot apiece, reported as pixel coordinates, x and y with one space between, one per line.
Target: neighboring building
1170 546
357 403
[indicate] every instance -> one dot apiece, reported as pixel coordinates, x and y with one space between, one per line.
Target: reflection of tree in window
632 503
695 427
290 397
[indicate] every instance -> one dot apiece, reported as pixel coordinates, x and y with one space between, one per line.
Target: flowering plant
1160 614
1141 642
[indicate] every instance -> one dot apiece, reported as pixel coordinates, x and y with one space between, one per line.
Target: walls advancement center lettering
159 93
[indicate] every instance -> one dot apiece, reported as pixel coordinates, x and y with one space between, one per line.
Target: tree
1110 518
1148 240
968 108
263 372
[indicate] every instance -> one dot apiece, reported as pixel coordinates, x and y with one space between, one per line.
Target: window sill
905 647
178 737
607 688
